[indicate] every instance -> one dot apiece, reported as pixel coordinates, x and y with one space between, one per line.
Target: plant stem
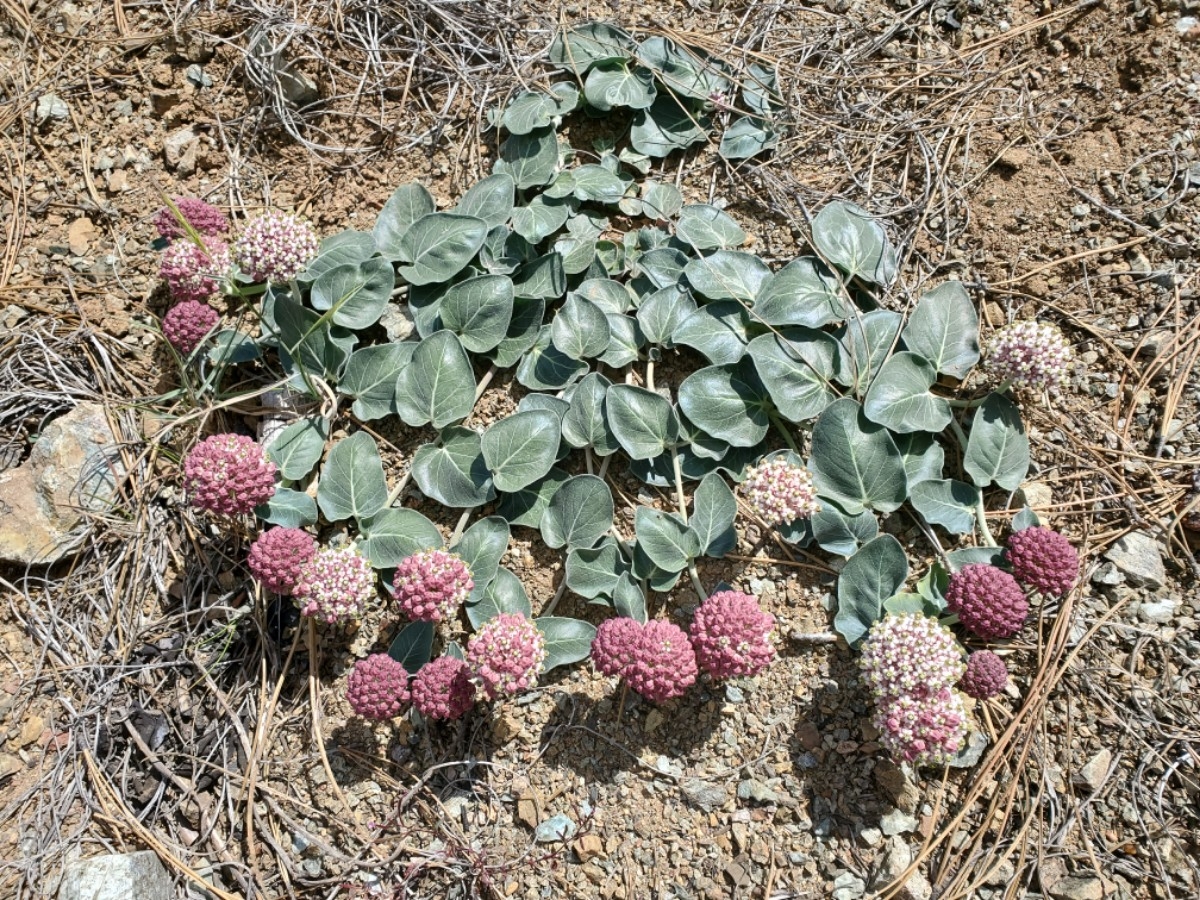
484 382
649 374
679 485
978 401
458 529
398 489
783 430
604 464
959 434
818 637
624 694
587 453
981 515
696 585
562 587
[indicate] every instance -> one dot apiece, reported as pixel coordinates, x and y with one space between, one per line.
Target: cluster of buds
780 491
194 272
228 474
431 585
1031 355
924 731
506 655
275 247
443 689
277 557
205 219
1043 560
186 324
986 675
732 636
987 600
377 687
656 659
335 585
910 654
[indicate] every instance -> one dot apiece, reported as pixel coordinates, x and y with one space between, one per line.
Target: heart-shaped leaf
546 368
438 246
660 200
344 248
504 594
522 333
540 218
867 339
453 471
481 547
585 423
997 448
746 137
870 577
836 532
727 275
526 506
438 385
579 513
288 508
408 203
628 599
804 292
527 111
596 183
728 402
593 573
719 330
663 266
923 456
900 399
308 339
610 296
479 311
642 421
848 237
666 539
619 84
856 461
392 535
413 646
490 200
668 125
298 447
713 512
530 159
371 375
521 448
567 640
352 481
946 502
944 328
664 311
705 227
797 372
580 329
579 48
543 278
682 70
355 294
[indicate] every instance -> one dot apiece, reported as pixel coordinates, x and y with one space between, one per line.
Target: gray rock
51 106
117 877
755 790
872 837
74 468
897 821
123 108
1159 612
848 886
1085 888
1093 774
1107 574
897 785
971 752
180 148
897 859
556 828
397 321
1139 557
197 76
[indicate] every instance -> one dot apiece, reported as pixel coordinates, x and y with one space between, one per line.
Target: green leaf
660 580
308 340
611 296
490 199
664 311
479 311
438 246
567 640
352 481
666 126
526 506
1026 518
728 402
946 502
345 247
299 447
970 556
871 575
705 227
642 421
663 266
804 292
616 84
681 70
541 218
232 347
577 253
746 137
541 279
713 512
868 339
665 538
628 599
727 275
660 200
720 330
944 328
579 513
836 532
760 90
593 573
923 456
356 293
848 237
579 48
481 547
531 159
899 397
392 535
413 646
529 110
288 508
797 372
408 203
997 448
438 384
522 331
504 594
371 375
453 471
580 329
856 461
546 368
521 448
585 423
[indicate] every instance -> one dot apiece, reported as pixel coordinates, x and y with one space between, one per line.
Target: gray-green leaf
567 640
356 294
299 447
708 228
728 402
288 508
870 577
371 375
670 544
804 292
392 535
727 275
490 199
579 513
946 502
438 385
713 512
997 448
521 448
408 203
642 421
848 237
352 481
856 461
453 471
479 310
438 246
899 397
944 328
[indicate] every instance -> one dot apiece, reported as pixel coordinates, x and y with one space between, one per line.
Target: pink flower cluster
732 635
193 272
987 600
986 675
1043 559
506 655
206 219
443 689
335 585
431 585
186 324
925 731
377 687
1031 355
228 474
780 491
655 659
910 655
277 557
275 247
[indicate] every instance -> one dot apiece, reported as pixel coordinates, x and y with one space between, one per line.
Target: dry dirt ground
1045 153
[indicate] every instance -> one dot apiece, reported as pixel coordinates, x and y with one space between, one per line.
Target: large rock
74 468
117 877
1139 556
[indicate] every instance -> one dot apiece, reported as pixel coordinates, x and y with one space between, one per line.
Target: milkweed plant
529 274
